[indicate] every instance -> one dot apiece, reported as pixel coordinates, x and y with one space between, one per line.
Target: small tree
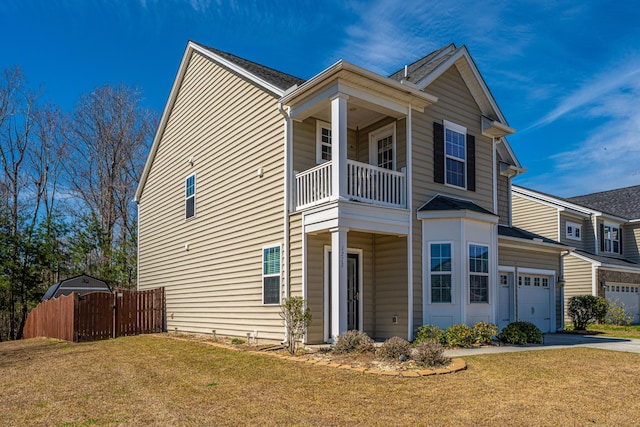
585 310
296 318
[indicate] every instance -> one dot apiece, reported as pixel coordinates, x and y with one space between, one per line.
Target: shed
81 284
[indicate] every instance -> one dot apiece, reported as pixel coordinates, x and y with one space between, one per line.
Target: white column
338 281
339 146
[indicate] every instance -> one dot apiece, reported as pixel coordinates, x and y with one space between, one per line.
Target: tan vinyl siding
315 285
231 128
531 257
578 278
631 239
457 105
535 217
296 254
576 219
304 151
390 286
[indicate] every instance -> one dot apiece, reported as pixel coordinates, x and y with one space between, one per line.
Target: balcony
365 183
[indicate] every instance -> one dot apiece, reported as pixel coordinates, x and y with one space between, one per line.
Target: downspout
495 179
409 198
287 197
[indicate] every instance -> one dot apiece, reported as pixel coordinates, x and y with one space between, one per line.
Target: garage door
627 294
534 300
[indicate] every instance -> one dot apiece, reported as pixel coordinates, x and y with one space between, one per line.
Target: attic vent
406 71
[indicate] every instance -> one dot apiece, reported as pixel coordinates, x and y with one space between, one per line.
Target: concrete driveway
552 341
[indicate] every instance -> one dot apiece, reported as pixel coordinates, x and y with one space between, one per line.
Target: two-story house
384 201
604 228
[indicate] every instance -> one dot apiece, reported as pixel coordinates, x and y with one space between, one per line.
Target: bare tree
109 134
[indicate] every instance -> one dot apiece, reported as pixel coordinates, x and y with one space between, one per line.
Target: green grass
156 380
631 331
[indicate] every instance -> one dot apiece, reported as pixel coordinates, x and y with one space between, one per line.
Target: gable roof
277 78
622 202
605 261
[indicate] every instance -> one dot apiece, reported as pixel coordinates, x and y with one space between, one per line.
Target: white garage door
534 300
627 294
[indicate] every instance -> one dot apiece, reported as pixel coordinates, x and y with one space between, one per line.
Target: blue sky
566 74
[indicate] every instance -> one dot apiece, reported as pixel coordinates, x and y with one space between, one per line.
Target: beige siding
231 129
457 105
390 286
535 217
296 255
304 144
578 279
630 241
315 285
528 258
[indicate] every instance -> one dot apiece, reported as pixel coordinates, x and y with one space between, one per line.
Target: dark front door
353 292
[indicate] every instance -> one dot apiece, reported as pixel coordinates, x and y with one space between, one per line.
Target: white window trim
470 273
319 126
279 275
459 129
575 226
195 191
429 272
604 237
374 136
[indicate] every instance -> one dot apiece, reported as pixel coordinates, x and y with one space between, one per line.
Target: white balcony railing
365 183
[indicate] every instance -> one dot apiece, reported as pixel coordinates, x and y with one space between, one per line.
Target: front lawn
631 331
161 381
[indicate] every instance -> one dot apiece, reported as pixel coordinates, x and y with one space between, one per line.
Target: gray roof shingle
424 66
519 233
609 260
444 203
277 78
622 202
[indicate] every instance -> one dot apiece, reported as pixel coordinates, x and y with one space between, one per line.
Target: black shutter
602 237
620 239
471 163
438 153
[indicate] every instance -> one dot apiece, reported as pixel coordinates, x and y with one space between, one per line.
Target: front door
353 293
353 290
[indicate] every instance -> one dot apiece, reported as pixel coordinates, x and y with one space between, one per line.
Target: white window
573 231
323 142
455 154
478 273
190 197
271 262
611 238
440 272
382 147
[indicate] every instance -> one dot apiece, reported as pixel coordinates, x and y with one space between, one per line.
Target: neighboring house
604 228
81 284
383 201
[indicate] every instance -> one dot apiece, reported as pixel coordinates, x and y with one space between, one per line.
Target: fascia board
463 213
585 258
554 201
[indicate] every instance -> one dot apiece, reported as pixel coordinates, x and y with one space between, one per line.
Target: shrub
430 353
587 309
617 315
296 318
484 331
395 348
237 341
459 335
429 333
521 333
353 342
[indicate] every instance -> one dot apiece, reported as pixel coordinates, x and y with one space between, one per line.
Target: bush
395 348
459 335
430 353
296 318
587 309
521 333
617 315
484 332
429 333
353 342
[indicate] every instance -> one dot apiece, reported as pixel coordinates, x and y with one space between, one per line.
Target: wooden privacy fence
98 315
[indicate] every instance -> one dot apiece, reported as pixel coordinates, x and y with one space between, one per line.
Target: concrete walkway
552 341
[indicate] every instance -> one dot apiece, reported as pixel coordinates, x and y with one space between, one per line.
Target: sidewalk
552 341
